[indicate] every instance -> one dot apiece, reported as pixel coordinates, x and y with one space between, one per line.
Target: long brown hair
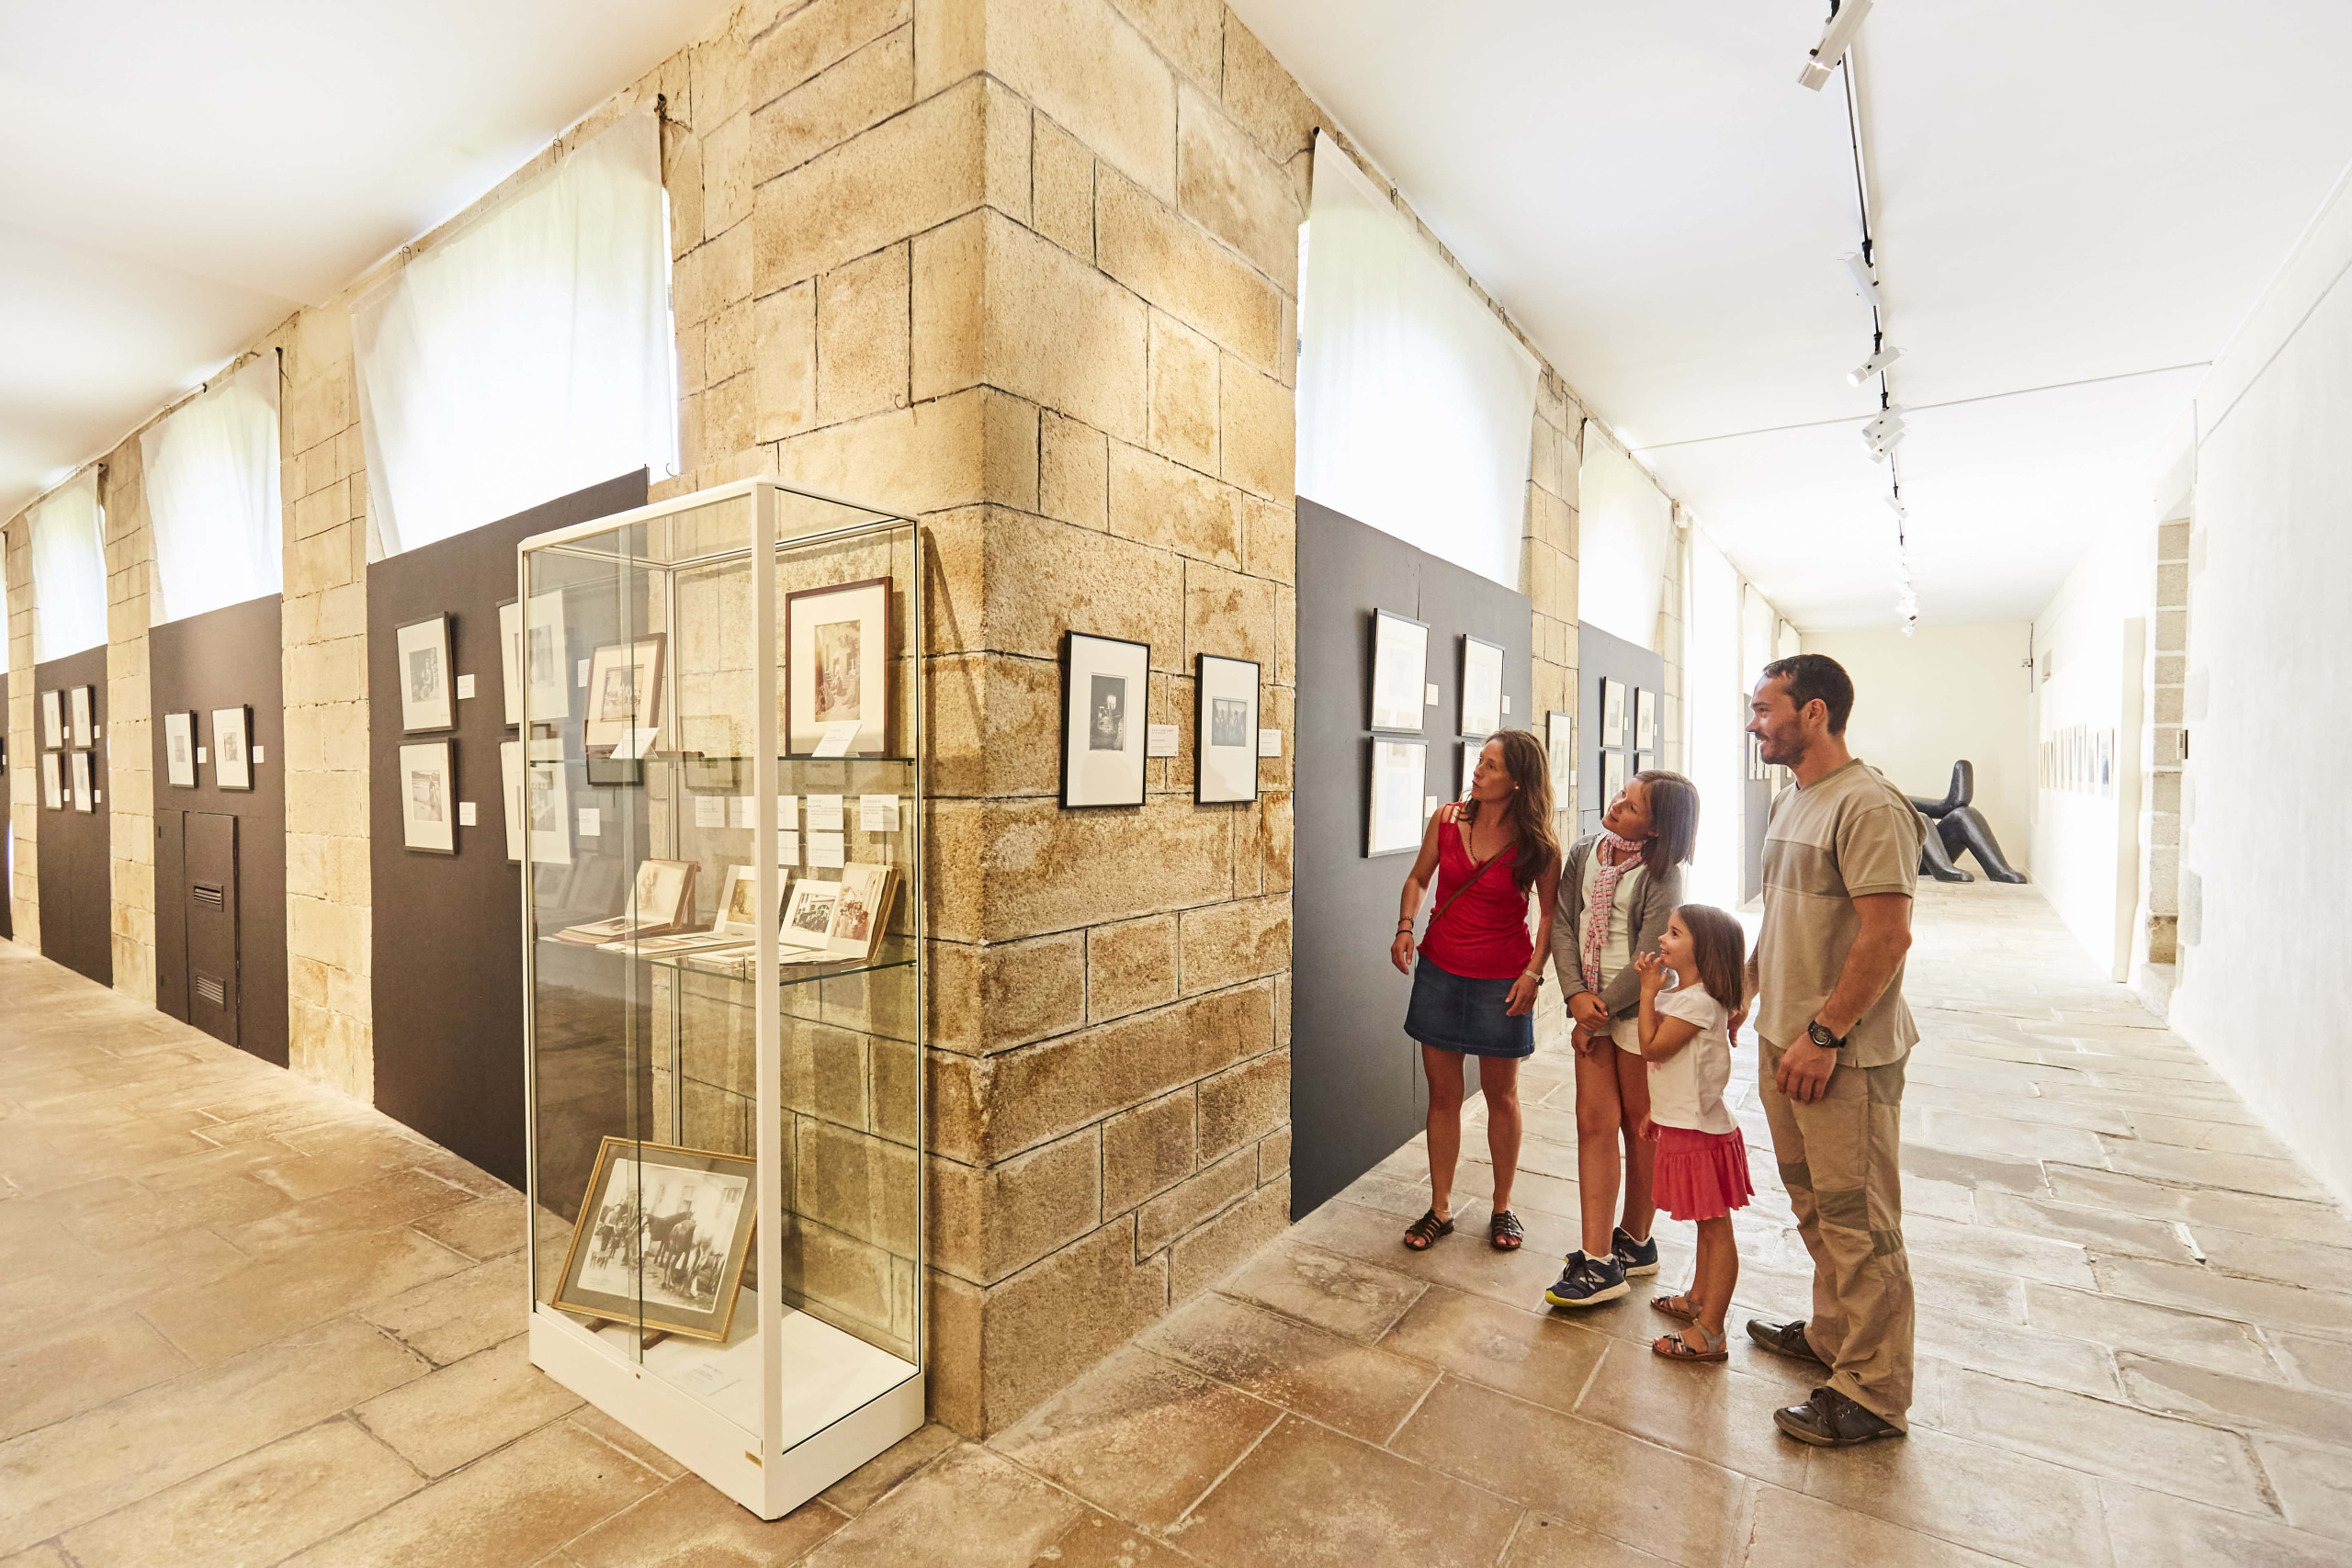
1529 809
1719 947
1674 819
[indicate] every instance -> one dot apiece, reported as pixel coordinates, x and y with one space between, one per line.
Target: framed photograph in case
1482 687
1400 671
1106 702
546 691
232 759
427 701
428 786
52 719
179 750
837 666
1612 711
661 1239
624 690
85 713
1392 817
1225 747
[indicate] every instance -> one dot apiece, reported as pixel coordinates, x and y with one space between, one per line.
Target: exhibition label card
825 811
825 850
710 811
580 677
837 738
787 846
465 814
1270 743
1431 701
199 756
788 811
739 808
635 745
592 823
1159 740
877 813
464 686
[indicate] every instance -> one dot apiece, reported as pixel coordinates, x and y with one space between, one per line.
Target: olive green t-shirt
1847 834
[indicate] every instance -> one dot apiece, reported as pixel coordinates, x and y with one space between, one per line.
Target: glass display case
714 787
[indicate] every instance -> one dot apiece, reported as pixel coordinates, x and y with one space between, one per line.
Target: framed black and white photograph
428 699
1482 687
661 1239
1612 711
52 719
1467 766
546 694
53 780
1644 762
1612 777
85 785
428 785
85 716
510 659
624 692
837 667
538 803
1560 750
1645 719
1225 744
179 750
1400 671
232 753
1105 704
1394 815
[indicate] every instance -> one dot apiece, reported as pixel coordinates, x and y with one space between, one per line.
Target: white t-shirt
1687 1088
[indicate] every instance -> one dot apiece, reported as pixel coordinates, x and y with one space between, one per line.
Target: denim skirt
1454 1013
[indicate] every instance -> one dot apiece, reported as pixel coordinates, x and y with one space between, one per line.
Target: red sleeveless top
1483 935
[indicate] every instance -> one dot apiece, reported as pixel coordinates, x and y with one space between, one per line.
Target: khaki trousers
1840 1159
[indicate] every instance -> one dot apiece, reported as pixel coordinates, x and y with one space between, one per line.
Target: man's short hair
1811 675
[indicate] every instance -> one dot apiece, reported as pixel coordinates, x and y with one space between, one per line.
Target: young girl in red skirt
1701 1158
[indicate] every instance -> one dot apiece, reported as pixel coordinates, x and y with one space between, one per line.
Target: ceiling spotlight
1845 21
1875 365
1859 271
1883 434
1894 504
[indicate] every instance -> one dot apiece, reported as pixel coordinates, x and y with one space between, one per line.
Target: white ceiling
175 179
2068 195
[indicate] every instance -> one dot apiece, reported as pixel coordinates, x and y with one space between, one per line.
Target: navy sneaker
1635 1257
1587 1282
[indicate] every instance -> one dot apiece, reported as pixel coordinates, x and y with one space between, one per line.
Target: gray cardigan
1659 896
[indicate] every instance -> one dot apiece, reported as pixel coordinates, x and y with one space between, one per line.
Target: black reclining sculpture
1960 827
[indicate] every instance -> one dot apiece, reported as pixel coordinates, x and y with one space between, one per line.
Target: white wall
2266 897
1923 702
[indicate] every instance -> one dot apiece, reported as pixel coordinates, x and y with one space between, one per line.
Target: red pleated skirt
1702 1175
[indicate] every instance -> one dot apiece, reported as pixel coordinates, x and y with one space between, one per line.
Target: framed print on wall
656 1194
86 788
546 696
1612 777
53 780
52 719
1560 749
1612 711
1105 705
537 803
423 649
233 759
837 667
1466 767
1482 687
624 690
1393 820
1644 762
428 786
179 750
510 659
1225 729
1400 671
84 706
1645 719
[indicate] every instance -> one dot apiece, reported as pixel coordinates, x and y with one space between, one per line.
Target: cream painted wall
1921 703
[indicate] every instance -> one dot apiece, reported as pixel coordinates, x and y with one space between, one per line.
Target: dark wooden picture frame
1204 728
883 683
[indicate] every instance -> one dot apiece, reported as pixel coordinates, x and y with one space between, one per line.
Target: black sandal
1423 1232
1504 1232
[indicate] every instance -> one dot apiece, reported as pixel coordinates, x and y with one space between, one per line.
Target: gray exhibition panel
1602 656
1356 1090
74 849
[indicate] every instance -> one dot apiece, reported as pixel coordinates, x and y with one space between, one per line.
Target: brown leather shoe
1785 1340
1830 1420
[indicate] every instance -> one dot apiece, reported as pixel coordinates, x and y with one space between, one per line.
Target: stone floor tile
397 1198
2286 1218
1981 1172
2313 1485
2323 1363
2311 1265
259 1508
2030 1354
1717 1411
47 1380
210 1165
2109 1438
1986 1245
467 1409
481 1228
141 1215
288 1291
596 1424
2325 1313
1460 1262
2088 1115
1537 1355
1977 1292
2181 1336
2100 1230
73 1471
1308 1497
968 1509
514 1507
2249 1404
873 1479
1791 1530
1566 1468
687 1523
1987 1500
1098 1541
2233 1173
2152 1529
1139 1435
2213 1138
1551 1543
451 1317
46 1556
1361 1390
1343 1294
1998 1136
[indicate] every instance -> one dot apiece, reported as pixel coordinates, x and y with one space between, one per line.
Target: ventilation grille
211 991
210 897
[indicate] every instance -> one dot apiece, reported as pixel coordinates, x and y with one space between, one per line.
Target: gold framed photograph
624 692
837 669
661 1238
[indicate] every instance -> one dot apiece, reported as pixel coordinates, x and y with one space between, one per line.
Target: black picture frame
1409 630
1205 725
1082 721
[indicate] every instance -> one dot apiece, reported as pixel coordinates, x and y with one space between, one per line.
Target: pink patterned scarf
1604 900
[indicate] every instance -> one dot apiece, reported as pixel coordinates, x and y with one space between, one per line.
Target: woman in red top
1473 989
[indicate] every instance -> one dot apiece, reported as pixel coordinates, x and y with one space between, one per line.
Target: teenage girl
1617 890
1701 1158
1475 985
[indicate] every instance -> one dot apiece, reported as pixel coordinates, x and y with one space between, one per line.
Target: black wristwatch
1822 1038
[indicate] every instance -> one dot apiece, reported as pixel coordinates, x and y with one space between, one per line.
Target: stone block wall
24 750
128 741
2166 727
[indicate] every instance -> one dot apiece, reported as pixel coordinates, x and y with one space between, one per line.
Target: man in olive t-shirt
1841 856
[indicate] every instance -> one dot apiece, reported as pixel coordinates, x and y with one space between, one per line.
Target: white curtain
1717 752
212 497
1625 529
528 357
69 568
1757 622
1415 405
